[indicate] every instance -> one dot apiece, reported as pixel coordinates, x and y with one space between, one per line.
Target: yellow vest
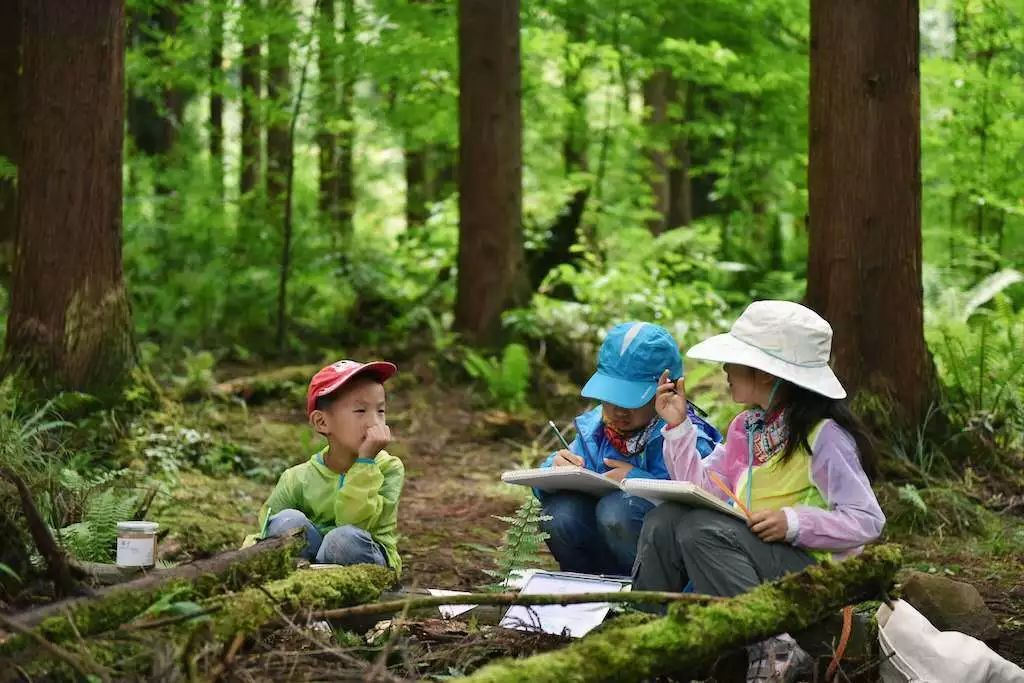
776 484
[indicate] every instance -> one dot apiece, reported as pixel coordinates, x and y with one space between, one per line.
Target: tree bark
69 324
217 96
864 261
490 273
655 90
577 131
10 66
416 187
278 97
692 637
252 93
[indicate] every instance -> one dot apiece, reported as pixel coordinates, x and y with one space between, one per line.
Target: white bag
914 651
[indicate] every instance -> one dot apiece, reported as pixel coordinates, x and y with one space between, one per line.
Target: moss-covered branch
414 603
113 606
690 637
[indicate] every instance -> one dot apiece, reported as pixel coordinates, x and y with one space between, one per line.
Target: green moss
692 636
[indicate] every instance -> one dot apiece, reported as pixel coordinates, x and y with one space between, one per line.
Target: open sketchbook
587 481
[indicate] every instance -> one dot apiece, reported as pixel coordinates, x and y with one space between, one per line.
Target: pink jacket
853 517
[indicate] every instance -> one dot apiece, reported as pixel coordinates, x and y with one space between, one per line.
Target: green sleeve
285 495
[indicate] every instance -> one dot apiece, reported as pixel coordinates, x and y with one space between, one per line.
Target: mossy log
691 637
266 385
113 606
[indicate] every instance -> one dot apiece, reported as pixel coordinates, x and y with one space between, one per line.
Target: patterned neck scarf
768 433
630 444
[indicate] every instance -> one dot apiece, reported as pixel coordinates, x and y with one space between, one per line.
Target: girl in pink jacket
795 461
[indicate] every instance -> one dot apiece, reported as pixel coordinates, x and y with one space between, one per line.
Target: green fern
522 542
103 502
506 380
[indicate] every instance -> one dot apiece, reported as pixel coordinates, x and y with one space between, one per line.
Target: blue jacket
594 447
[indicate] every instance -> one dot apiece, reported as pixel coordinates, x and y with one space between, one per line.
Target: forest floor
454 451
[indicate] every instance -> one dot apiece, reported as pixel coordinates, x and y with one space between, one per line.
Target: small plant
506 380
105 504
522 542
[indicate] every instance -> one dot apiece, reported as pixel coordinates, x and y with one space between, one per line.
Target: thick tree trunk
69 324
490 272
217 96
278 96
327 105
680 195
252 87
864 269
656 116
10 65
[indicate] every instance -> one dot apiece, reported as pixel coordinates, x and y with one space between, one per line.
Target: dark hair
804 409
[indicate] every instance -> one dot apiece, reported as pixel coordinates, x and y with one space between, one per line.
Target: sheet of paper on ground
576 620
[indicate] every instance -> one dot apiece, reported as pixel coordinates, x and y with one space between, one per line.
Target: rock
951 605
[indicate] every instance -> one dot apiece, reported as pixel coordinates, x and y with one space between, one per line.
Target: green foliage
94 537
506 379
522 542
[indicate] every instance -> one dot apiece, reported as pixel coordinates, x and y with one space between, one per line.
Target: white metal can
136 544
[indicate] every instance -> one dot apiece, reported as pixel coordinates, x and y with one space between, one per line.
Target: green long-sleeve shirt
366 496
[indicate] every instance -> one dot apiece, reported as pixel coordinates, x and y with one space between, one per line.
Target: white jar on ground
136 544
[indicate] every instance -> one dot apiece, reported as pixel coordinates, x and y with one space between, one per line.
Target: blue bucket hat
630 362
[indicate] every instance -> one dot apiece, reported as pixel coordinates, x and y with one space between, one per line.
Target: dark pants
594 535
716 551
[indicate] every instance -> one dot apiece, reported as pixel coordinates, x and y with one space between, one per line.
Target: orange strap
844 639
725 489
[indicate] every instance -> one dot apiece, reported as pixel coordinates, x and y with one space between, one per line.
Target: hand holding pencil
564 457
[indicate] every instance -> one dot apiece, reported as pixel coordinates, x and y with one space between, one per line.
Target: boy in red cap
346 495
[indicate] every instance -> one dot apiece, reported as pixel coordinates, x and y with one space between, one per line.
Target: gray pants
716 551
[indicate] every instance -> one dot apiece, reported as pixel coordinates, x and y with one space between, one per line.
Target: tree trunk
416 188
154 119
656 116
327 104
278 86
10 65
680 195
252 87
346 139
864 268
69 324
217 96
577 132
490 272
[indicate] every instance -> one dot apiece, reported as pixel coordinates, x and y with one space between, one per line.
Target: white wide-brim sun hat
782 338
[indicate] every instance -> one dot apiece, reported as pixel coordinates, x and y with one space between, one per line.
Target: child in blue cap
621 438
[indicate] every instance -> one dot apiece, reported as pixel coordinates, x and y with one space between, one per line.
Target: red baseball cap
334 376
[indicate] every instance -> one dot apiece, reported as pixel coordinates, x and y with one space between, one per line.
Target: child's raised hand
566 458
376 439
670 401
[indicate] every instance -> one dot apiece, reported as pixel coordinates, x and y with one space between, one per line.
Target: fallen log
112 606
691 637
265 385
223 623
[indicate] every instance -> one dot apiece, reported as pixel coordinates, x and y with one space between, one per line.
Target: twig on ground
392 606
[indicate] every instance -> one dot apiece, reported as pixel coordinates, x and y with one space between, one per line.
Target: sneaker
777 660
